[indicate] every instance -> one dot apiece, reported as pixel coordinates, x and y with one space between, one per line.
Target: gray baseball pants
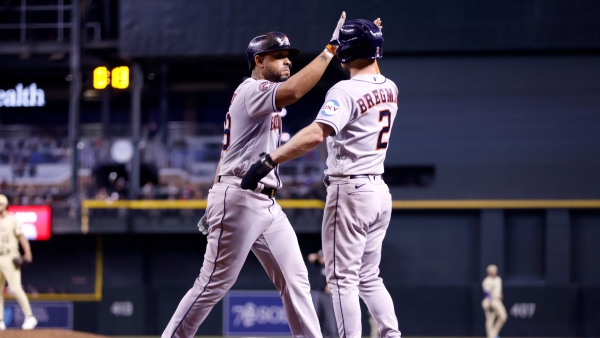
357 214
240 221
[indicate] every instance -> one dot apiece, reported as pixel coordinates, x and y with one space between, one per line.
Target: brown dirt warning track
48 333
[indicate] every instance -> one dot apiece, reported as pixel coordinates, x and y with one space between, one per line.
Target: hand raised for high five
336 32
377 23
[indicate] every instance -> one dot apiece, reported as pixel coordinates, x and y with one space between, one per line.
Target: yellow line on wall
497 204
318 204
99 269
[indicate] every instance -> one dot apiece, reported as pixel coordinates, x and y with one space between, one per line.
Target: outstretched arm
300 83
306 140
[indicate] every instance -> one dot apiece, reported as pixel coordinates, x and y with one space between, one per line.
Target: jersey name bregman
375 97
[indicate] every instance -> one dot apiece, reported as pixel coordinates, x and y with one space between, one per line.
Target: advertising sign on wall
35 220
56 315
254 313
23 96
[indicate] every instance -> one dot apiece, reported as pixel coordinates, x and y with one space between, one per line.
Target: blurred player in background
10 237
495 313
356 120
322 296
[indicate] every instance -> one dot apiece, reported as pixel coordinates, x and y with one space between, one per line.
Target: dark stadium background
496 145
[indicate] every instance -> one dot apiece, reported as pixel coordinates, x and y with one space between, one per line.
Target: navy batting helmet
268 42
359 39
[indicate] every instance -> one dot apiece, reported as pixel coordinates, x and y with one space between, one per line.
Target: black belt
271 192
362 176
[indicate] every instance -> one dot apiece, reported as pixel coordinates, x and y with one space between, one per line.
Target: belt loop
219 180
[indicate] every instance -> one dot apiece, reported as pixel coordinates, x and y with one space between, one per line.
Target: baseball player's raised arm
300 83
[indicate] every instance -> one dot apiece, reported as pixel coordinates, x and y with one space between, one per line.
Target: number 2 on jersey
227 132
385 129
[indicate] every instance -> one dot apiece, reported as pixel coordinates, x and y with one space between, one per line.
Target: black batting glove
257 172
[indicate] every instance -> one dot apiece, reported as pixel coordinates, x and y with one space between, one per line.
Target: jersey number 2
227 132
386 128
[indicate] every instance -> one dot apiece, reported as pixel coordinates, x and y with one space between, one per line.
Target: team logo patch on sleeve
330 108
265 86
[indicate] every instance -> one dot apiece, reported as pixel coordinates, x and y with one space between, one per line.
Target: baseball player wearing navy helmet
359 39
238 221
356 121
269 42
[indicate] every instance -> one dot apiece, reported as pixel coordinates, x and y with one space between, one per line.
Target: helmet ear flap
345 55
257 59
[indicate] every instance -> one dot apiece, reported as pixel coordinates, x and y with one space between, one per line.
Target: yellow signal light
101 77
120 77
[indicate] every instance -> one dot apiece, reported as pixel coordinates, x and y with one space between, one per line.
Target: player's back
361 111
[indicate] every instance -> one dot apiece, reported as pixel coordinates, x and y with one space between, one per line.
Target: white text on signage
250 314
523 310
30 96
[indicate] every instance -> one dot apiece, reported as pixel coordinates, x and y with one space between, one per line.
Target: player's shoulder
246 82
360 82
390 82
11 218
257 85
341 88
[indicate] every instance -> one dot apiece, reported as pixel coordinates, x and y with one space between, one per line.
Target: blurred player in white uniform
11 236
239 221
495 313
356 120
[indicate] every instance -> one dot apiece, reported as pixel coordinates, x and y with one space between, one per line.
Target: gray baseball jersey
359 205
252 126
241 221
361 111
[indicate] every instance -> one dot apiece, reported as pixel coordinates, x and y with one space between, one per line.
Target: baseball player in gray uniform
239 221
356 120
